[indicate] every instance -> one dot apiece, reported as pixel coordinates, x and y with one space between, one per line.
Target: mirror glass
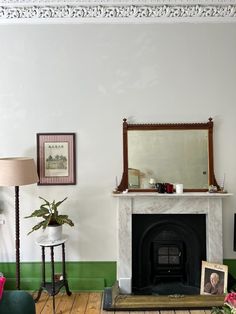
173 156
178 153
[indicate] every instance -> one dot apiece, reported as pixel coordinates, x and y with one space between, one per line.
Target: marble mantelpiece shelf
165 195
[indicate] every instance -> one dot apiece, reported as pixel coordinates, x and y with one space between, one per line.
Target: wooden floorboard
91 303
80 303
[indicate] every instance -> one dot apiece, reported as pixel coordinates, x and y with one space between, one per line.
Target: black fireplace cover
167 250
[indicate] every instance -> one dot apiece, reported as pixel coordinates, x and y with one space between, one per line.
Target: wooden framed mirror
167 153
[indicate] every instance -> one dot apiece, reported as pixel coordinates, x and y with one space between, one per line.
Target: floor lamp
16 171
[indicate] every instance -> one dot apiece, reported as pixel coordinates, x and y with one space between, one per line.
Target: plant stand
52 287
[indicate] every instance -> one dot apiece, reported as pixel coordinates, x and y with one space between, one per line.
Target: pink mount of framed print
56 158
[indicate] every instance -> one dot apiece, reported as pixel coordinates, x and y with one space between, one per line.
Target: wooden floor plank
80 303
58 301
119 312
41 302
65 304
110 312
94 303
48 308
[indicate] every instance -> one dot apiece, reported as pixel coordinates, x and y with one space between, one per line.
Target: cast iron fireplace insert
167 251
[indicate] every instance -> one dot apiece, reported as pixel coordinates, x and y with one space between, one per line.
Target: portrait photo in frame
214 279
56 162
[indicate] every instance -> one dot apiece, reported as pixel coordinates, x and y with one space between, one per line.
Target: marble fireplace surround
155 203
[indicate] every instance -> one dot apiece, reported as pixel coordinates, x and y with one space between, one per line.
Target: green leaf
38 226
59 203
46 222
46 202
63 219
221 310
227 310
44 207
38 213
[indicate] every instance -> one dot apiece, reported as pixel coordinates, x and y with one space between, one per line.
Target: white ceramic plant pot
54 233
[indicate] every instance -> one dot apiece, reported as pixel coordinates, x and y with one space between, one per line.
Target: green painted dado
87 276
231 263
90 276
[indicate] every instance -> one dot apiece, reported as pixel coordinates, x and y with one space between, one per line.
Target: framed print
214 278
56 158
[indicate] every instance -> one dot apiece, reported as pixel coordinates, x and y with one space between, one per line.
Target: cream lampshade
16 171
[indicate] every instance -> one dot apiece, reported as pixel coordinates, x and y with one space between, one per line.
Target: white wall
86 79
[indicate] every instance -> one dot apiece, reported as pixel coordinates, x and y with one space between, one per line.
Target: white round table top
44 241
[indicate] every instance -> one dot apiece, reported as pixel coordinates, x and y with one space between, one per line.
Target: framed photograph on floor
56 158
214 278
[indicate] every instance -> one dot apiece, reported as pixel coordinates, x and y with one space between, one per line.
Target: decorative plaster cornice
122 2
117 10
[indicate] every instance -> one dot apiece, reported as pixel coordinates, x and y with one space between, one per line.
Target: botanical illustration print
56 159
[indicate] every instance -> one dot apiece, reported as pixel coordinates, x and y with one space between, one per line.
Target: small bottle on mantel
115 190
222 185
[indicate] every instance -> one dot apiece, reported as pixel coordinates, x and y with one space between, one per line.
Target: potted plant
51 219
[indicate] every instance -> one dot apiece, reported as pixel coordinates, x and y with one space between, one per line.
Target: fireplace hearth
167 251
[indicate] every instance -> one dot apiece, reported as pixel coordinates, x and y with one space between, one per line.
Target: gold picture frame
214 279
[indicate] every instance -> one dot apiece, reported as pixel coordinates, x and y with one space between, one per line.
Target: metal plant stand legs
53 287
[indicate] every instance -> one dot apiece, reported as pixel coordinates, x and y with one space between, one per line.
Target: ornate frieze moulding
117 10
